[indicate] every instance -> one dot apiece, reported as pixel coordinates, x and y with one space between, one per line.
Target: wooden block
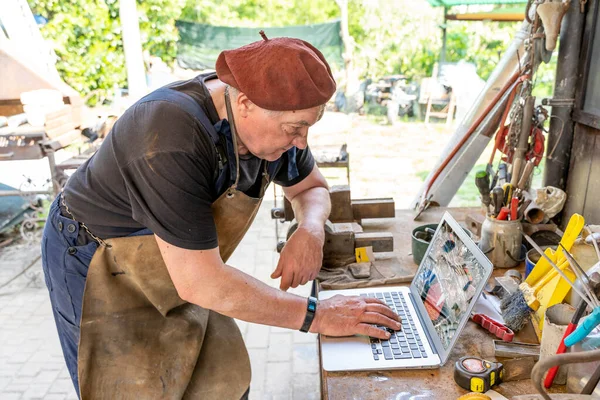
380 241
373 208
60 130
63 140
66 110
57 121
341 205
474 222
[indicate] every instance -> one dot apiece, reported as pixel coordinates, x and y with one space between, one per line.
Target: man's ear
244 104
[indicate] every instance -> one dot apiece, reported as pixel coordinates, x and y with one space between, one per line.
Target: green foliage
251 13
86 36
481 43
390 37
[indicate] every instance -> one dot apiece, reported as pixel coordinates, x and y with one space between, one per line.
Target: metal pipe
560 138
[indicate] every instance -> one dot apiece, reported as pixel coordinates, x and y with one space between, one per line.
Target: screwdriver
497 199
482 181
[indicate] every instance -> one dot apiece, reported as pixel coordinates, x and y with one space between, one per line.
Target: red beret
280 74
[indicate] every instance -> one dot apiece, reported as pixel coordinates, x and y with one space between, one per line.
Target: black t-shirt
157 169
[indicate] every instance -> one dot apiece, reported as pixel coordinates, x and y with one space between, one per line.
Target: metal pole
560 137
444 38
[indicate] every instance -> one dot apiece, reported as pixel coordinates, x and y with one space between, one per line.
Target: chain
96 238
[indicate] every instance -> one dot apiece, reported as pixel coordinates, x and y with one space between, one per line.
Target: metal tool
476 374
582 276
516 349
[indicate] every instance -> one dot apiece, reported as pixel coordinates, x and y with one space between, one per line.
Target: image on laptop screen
447 281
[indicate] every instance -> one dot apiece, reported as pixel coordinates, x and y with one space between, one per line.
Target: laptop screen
447 280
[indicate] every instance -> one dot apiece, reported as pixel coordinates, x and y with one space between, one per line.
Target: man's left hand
301 257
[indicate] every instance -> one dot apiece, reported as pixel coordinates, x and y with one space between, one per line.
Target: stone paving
284 363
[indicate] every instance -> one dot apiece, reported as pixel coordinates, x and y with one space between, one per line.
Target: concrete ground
386 161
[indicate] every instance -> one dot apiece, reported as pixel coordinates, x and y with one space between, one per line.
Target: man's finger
380 319
277 273
374 300
370 330
286 280
381 309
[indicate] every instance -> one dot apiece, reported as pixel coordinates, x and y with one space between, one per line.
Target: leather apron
139 339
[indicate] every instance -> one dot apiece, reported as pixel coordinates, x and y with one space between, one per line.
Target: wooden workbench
422 384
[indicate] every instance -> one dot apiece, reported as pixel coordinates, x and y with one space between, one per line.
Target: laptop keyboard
404 344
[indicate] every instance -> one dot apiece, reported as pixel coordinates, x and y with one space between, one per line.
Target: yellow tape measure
476 374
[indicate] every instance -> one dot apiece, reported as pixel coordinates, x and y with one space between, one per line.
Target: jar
501 242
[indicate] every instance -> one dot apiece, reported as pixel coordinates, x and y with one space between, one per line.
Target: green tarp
450 3
200 44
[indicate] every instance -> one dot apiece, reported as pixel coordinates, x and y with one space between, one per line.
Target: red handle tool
561 347
501 331
514 207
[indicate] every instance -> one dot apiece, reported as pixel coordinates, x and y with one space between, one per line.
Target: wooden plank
373 208
341 205
11 109
60 130
63 140
591 211
581 163
11 153
57 121
66 110
380 241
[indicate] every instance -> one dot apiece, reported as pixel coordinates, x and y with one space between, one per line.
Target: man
135 247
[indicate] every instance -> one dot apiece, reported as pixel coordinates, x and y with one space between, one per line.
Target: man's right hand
351 315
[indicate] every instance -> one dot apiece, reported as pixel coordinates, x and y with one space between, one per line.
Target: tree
86 36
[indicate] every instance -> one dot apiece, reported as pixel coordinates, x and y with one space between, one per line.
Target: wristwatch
311 308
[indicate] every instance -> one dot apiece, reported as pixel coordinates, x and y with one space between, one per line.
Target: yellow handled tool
542 267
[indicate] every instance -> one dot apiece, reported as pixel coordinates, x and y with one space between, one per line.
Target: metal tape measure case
476 374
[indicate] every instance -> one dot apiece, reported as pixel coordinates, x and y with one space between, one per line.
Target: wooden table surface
431 383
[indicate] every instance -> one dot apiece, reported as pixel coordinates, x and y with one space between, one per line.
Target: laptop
434 308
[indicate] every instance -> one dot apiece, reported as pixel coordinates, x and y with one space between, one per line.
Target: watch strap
311 308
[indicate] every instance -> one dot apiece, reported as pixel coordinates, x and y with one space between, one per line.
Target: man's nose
301 142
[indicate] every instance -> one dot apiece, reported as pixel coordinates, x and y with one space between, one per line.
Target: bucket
532 258
501 242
